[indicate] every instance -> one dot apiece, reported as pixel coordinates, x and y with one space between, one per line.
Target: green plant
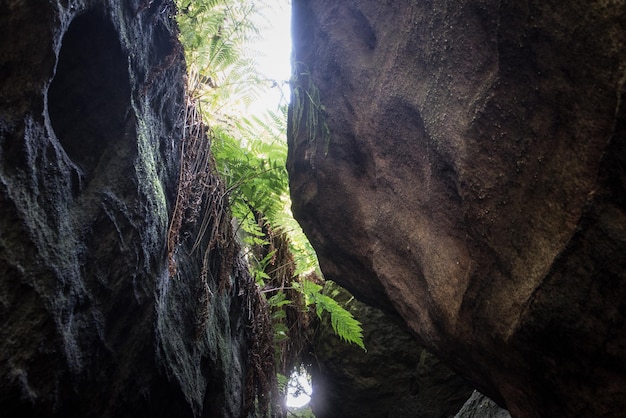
253 166
308 112
258 198
216 35
342 321
250 155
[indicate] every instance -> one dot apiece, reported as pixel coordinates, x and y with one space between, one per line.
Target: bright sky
275 51
303 398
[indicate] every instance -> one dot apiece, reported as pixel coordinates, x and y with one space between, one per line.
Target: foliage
342 321
308 112
304 412
215 35
250 154
259 193
253 166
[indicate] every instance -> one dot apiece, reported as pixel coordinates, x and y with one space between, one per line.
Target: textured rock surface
479 406
394 378
91 325
473 184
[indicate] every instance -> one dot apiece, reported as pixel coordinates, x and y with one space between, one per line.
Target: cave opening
89 97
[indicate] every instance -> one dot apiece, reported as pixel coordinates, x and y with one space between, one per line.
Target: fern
215 34
342 321
308 112
250 155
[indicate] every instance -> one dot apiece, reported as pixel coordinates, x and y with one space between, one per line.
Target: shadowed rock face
473 184
91 324
479 406
394 378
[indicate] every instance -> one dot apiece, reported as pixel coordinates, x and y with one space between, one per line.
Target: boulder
460 165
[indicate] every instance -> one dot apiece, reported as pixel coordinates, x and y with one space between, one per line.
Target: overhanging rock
473 184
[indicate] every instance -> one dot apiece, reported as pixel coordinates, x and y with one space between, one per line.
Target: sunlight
299 391
274 54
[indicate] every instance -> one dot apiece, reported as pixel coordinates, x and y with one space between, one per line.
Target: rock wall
479 406
473 184
91 119
394 378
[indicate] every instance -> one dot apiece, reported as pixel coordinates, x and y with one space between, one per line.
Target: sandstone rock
473 184
394 378
91 324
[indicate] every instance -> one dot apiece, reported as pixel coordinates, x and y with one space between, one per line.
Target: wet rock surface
473 184
91 98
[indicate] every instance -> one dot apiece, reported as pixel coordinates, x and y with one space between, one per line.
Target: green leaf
280 314
278 300
342 321
260 275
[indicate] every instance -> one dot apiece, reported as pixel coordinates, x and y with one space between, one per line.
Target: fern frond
342 321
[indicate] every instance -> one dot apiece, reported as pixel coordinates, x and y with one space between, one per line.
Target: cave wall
91 323
473 184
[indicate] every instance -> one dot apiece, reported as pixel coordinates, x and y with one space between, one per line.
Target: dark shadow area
89 97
